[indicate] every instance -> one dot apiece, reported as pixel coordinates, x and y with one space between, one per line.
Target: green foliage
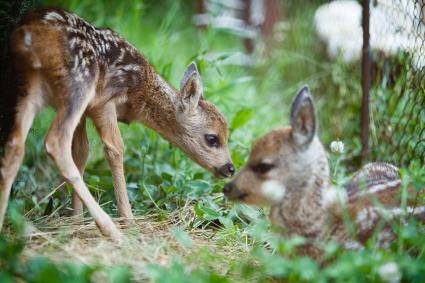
398 119
176 273
241 118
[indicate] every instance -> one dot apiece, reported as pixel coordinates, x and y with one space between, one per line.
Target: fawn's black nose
231 169
228 188
227 170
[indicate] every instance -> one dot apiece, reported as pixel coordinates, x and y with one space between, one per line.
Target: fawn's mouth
217 173
232 193
236 197
220 173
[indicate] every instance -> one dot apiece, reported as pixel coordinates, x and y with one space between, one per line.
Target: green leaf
119 274
182 237
6 278
226 222
206 212
210 214
241 118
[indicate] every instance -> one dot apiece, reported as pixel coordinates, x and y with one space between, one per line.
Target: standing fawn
288 170
60 60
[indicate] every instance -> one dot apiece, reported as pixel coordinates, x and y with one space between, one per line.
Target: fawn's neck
154 105
302 211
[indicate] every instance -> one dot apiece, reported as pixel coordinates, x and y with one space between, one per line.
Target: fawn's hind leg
14 149
80 153
105 120
59 147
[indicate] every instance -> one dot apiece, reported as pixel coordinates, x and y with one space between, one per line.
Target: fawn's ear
303 118
190 88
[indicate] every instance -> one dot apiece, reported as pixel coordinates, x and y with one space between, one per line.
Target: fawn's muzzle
228 188
232 193
226 170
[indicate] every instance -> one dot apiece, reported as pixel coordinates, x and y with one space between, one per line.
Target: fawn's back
63 51
65 60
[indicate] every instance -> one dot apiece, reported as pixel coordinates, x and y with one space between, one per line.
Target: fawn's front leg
105 120
80 153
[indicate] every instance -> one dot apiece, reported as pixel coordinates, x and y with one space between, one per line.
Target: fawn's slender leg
80 153
105 120
58 145
14 151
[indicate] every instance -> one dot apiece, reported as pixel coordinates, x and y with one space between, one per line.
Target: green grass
213 240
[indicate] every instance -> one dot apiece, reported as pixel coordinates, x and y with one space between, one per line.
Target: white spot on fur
76 62
166 87
383 167
367 218
333 195
72 20
273 190
381 187
353 245
73 42
121 99
131 67
53 16
79 78
393 212
384 239
27 38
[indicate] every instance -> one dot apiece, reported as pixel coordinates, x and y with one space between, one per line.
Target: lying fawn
288 170
62 61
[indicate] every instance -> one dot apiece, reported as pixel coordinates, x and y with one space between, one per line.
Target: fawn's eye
212 140
262 168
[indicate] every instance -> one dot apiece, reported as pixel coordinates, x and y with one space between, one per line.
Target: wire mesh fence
397 93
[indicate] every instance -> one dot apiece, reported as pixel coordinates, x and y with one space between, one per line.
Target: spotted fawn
289 171
60 60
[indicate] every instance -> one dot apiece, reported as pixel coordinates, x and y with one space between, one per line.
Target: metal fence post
366 69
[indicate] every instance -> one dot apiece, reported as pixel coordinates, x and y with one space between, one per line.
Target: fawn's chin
217 174
249 199
212 169
240 197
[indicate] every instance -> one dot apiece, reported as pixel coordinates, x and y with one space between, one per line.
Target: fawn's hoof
111 231
128 221
115 235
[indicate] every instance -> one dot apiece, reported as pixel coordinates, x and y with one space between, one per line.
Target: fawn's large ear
190 88
303 118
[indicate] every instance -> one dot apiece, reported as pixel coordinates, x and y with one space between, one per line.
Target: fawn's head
204 131
282 161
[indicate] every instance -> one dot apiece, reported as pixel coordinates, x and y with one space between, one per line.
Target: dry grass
147 240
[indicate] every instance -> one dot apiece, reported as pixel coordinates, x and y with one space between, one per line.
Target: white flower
390 272
337 146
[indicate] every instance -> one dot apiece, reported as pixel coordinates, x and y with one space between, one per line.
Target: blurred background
366 74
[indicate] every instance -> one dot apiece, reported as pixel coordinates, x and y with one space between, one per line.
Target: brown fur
82 71
288 170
